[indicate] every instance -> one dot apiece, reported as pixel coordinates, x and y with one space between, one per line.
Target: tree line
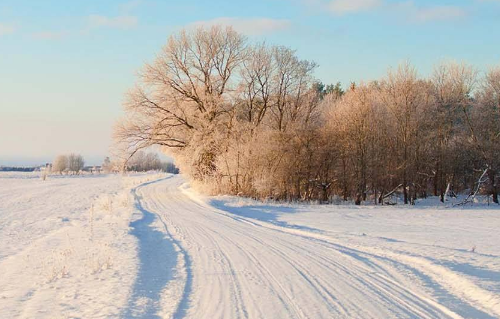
251 119
144 162
140 162
72 163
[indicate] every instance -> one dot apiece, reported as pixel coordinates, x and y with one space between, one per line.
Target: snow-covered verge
430 223
65 246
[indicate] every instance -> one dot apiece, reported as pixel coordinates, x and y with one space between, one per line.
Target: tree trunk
493 185
344 179
405 173
405 189
358 199
436 176
325 194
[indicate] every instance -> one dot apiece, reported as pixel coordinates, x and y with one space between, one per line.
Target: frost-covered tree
452 84
251 119
75 163
184 90
60 164
202 89
353 120
405 98
484 126
143 162
107 165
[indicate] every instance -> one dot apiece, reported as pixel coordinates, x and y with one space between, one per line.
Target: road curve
233 267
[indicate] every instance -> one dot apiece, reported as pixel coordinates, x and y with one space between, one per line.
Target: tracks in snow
219 265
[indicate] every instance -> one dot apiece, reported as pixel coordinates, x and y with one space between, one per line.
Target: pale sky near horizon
65 65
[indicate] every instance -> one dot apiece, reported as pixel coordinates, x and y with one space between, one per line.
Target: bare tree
75 163
184 93
404 98
60 164
484 125
256 87
107 165
452 84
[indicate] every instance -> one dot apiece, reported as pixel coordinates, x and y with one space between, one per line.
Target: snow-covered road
148 246
224 265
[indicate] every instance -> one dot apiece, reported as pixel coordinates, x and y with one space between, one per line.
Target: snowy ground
65 247
152 248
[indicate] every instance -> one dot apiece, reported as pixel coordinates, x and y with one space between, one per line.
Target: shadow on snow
158 259
264 213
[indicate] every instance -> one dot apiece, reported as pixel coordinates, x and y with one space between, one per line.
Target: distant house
45 168
93 169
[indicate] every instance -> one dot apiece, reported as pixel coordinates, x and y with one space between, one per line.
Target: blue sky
65 65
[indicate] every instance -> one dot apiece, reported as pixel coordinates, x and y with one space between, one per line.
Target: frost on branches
251 119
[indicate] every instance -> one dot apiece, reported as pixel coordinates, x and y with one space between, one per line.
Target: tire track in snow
372 283
366 282
244 268
462 288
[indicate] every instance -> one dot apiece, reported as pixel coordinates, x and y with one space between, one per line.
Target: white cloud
248 26
439 13
341 7
406 9
414 13
49 35
6 29
130 5
119 22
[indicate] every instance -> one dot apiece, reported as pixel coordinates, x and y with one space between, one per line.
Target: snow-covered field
148 246
65 247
